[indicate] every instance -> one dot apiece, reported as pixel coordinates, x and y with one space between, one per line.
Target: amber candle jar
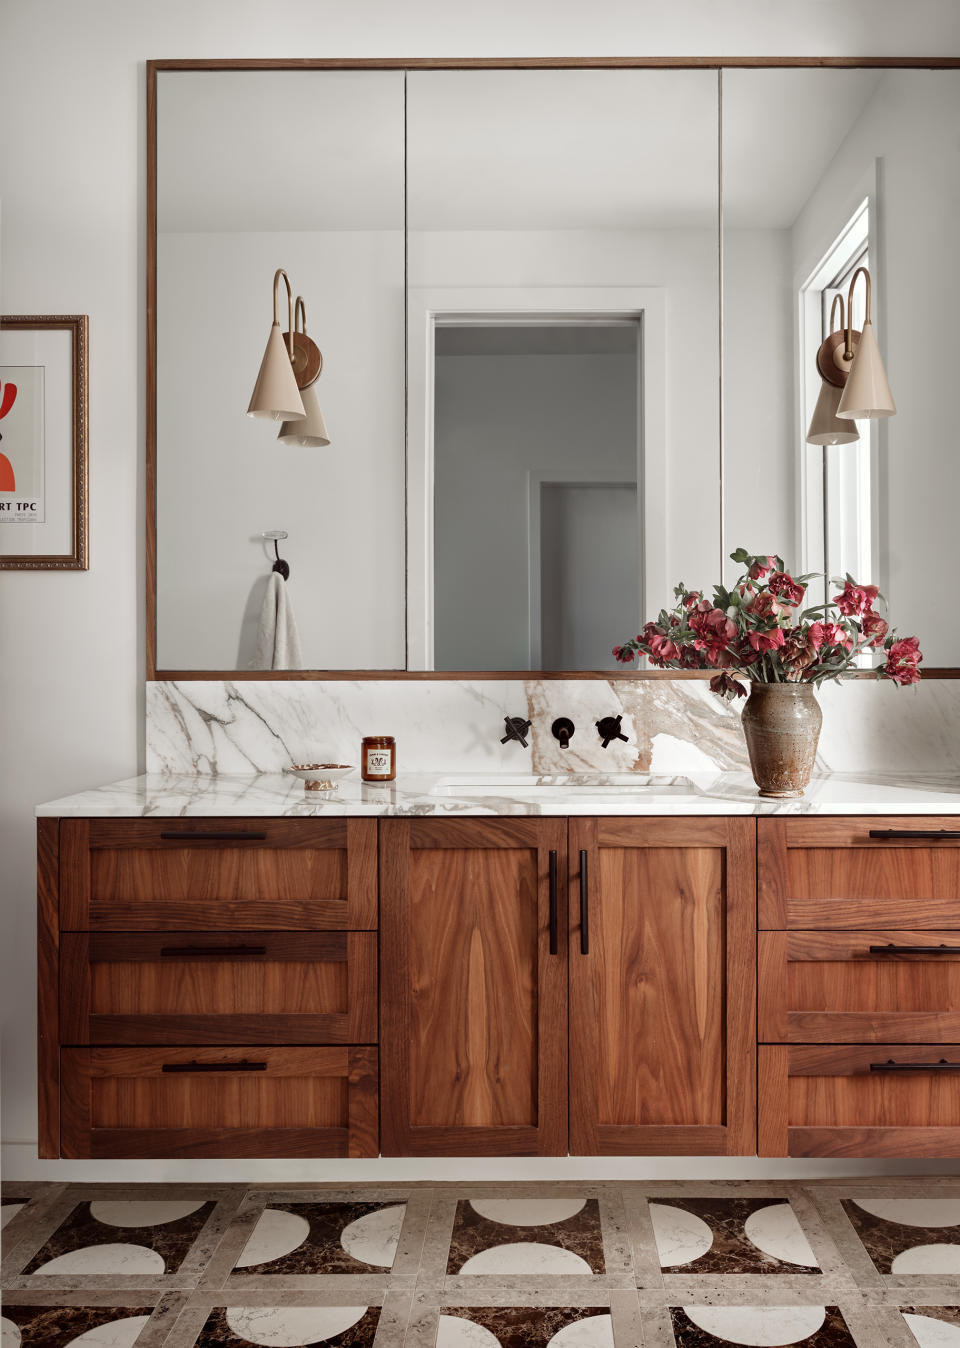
378 758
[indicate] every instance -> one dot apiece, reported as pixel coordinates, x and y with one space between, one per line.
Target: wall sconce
825 428
275 394
851 361
311 431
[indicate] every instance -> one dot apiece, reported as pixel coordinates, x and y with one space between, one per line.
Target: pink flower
727 686
834 634
763 605
761 566
856 599
874 627
903 657
786 589
663 648
816 635
623 654
769 640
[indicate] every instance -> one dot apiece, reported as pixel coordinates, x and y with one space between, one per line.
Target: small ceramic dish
320 776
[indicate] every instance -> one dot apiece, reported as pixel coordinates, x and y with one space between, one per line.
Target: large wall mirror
568 320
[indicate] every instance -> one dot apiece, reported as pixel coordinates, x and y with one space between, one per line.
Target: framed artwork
43 442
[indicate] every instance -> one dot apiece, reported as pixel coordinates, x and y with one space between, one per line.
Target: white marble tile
593 1331
279 1326
121 1333
925 1212
931 1260
528 1211
681 1236
776 1231
374 1237
525 1259
761 1326
454 1331
142 1212
276 1233
119 1258
930 1332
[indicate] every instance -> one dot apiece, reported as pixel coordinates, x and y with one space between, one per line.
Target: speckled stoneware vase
782 722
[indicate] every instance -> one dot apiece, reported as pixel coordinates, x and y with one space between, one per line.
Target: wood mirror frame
154 67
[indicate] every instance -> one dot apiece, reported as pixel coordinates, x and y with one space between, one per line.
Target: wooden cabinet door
662 986
473 987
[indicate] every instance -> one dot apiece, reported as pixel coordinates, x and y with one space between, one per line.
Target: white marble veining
454 725
718 793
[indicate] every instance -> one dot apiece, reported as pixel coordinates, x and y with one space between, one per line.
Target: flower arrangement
760 631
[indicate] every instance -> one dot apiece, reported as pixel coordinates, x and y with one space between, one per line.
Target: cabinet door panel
473 1002
662 1035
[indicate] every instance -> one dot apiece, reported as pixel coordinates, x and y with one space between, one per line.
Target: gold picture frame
60 393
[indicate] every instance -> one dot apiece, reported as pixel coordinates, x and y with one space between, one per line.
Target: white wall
72 85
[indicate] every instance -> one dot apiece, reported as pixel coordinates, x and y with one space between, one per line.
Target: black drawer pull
218 951
940 949
915 833
244 1065
891 1066
554 916
238 836
584 906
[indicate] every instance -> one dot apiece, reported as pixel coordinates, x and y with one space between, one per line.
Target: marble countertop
438 794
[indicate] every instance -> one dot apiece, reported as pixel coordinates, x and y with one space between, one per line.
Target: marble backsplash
672 725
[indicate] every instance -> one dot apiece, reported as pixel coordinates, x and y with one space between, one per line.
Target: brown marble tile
741 1322
320 1250
527 1326
579 1234
886 1239
730 1222
57 1326
170 1240
218 1332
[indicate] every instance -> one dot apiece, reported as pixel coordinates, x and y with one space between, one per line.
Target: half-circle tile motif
776 1231
931 1259
276 1233
286 1326
681 1236
139 1213
10 1336
453 1331
374 1237
593 1331
758 1326
930 1332
526 1259
118 1258
528 1211
114 1334
929 1212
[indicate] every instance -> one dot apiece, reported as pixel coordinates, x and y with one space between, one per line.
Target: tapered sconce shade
866 392
311 432
276 396
825 429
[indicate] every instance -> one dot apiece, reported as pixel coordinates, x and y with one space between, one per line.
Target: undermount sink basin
558 787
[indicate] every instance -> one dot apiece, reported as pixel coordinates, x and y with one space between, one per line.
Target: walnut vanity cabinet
208 987
551 986
859 986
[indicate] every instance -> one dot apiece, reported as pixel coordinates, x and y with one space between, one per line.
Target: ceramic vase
781 722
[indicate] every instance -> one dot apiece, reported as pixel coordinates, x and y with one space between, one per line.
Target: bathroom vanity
229 970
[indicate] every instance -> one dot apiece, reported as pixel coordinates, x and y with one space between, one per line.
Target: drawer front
241 1101
859 987
854 1100
196 874
857 873
261 987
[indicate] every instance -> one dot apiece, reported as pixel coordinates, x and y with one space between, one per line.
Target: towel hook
273 535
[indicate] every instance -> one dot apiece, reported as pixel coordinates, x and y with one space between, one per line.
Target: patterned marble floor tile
730 1236
525 1327
933 1326
515 1237
908 1236
336 1326
120 1237
56 1326
814 1326
321 1238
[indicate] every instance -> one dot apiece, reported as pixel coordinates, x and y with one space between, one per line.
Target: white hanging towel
278 645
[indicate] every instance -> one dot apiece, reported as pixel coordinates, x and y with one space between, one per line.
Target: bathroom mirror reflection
825 171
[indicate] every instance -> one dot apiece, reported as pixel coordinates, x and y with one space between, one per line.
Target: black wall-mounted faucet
517 729
562 730
609 729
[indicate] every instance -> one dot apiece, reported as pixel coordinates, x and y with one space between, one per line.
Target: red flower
692 598
727 686
786 589
856 599
769 640
903 657
662 648
761 565
834 634
816 635
623 654
763 605
874 627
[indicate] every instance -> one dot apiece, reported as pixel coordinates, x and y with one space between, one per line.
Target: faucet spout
562 730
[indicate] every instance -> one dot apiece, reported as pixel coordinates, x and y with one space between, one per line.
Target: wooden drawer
854 1100
242 1101
901 872
261 987
858 987
210 874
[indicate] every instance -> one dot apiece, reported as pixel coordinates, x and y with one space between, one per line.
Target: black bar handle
219 951
244 1065
891 1066
915 833
554 916
891 949
584 905
238 836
